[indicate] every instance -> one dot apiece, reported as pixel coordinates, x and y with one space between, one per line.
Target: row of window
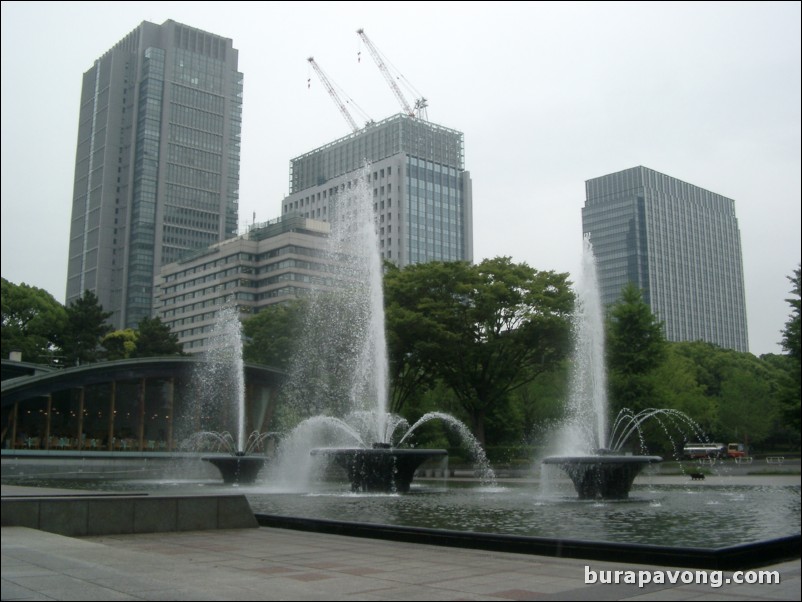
198 71
198 99
194 178
342 158
195 157
196 138
196 119
204 200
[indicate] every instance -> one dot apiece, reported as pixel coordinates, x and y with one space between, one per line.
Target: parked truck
714 450
737 450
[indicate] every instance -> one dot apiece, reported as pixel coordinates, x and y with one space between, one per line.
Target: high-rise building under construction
416 173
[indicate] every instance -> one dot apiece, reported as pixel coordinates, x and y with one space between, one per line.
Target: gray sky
547 94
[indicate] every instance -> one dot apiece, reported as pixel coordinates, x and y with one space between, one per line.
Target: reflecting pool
678 514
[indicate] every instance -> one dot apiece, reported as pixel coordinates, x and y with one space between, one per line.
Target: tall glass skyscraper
157 162
679 243
421 191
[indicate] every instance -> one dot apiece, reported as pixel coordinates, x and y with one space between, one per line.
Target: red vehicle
736 450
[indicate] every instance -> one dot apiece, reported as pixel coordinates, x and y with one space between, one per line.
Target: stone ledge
100 515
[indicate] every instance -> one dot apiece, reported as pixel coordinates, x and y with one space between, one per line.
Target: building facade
680 244
422 194
157 162
273 263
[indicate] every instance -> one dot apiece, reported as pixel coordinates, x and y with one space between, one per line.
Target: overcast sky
547 94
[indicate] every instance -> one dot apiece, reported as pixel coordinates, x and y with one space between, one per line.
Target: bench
697 476
775 459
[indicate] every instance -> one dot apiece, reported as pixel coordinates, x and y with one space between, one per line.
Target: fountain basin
237 469
379 469
604 476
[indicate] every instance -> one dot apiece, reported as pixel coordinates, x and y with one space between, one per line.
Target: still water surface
708 516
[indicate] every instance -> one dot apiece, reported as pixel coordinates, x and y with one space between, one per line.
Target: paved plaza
268 563
278 564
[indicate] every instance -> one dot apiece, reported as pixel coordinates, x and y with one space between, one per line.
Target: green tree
747 409
791 345
120 344
785 389
271 334
86 327
678 387
636 347
154 338
733 395
410 349
791 340
32 322
483 330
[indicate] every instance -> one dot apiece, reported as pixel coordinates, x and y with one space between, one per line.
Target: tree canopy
484 330
154 338
270 335
32 322
791 345
86 327
120 344
636 347
791 340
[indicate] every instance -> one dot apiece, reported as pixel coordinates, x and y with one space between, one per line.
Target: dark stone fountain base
380 469
237 469
603 476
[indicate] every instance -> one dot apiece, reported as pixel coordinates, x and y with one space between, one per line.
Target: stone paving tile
305 577
714 596
273 570
361 571
667 594
353 587
517 594
12 591
276 564
172 594
48 582
323 565
414 593
26 570
88 593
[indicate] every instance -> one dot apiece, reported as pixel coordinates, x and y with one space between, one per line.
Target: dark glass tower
679 243
157 162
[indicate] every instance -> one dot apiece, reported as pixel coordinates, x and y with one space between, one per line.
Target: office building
157 162
679 243
274 262
422 194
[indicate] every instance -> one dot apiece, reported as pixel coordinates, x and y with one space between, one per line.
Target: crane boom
385 72
333 93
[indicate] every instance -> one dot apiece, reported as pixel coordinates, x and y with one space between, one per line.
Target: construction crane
420 103
333 93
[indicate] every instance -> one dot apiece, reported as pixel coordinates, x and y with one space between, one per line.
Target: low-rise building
273 262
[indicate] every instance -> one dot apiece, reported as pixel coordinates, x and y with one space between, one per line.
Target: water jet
596 471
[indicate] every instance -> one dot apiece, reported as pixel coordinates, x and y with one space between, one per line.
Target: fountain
223 377
343 366
598 469
734 521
